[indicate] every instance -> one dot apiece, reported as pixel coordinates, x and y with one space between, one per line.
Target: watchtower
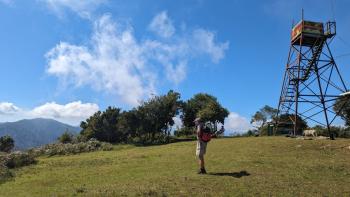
312 81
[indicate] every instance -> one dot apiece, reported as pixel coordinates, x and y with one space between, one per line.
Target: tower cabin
307 33
311 35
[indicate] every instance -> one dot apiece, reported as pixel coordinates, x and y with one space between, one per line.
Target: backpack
206 134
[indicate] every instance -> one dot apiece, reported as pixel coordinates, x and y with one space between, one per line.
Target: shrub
18 159
185 131
6 143
66 137
13 160
80 138
343 133
251 133
339 132
71 148
5 173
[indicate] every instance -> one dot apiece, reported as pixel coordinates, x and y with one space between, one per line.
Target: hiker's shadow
231 174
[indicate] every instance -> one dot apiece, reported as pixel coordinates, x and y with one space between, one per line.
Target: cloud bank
8 108
71 113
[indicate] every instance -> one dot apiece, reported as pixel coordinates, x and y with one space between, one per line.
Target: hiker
201 145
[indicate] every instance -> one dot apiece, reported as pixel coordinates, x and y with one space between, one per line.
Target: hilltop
30 133
249 166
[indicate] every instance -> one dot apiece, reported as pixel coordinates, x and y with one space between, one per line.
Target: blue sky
65 59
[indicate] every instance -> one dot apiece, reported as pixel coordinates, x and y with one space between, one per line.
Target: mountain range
29 133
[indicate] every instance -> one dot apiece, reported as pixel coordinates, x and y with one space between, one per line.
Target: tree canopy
155 116
264 114
153 120
342 105
6 143
102 125
204 106
66 137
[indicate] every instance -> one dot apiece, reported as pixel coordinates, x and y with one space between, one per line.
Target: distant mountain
35 132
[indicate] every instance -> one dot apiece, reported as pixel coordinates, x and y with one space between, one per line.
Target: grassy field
261 166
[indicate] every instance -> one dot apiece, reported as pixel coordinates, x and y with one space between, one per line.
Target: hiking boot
202 171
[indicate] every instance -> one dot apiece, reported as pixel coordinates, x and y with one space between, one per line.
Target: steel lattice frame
312 82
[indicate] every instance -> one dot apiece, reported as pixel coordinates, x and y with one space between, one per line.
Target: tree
128 124
66 137
152 120
155 116
206 107
102 126
6 143
260 117
342 105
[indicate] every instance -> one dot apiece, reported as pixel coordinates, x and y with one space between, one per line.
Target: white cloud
113 63
176 73
8 108
162 25
117 63
236 123
83 8
171 58
204 42
71 113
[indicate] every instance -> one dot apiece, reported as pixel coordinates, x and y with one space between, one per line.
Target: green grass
262 166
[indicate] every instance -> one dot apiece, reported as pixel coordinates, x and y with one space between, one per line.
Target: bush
66 137
5 173
13 160
71 148
344 133
6 143
80 138
339 132
251 133
18 159
184 131
146 140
